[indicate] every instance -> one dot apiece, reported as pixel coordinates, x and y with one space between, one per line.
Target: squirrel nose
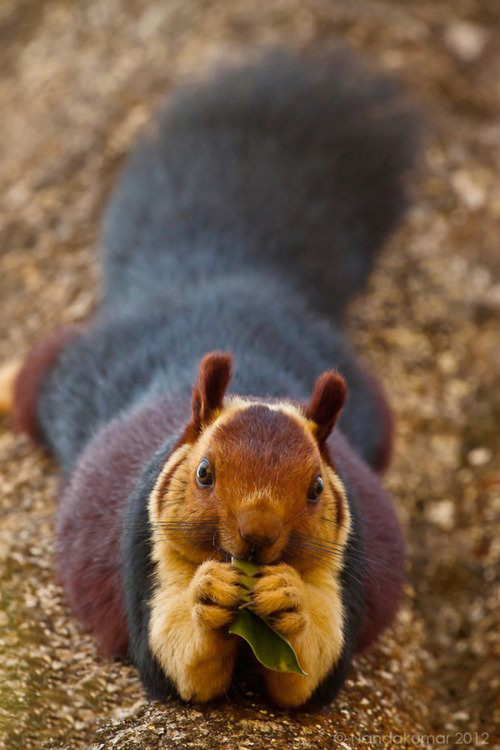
260 528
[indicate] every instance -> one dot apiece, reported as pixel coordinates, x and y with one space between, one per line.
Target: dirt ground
77 82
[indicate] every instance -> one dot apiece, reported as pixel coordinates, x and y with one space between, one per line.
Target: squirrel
247 217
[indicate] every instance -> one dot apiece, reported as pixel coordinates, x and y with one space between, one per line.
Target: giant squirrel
245 220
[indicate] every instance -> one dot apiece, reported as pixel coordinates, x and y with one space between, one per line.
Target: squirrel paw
278 596
216 592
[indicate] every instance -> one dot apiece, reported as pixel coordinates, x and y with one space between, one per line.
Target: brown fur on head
244 479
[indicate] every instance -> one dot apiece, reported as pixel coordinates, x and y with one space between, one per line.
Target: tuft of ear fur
214 375
326 402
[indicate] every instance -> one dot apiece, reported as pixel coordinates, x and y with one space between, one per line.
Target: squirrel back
247 216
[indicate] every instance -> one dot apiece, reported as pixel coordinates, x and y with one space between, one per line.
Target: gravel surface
77 82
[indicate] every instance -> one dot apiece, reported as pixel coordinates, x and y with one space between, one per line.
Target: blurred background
78 80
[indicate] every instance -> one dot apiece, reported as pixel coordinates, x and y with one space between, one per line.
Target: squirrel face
253 479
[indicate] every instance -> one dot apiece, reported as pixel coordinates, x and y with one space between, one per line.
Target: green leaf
268 646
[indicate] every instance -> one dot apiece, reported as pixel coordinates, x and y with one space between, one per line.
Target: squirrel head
253 478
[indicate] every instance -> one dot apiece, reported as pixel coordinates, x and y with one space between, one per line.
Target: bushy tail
296 161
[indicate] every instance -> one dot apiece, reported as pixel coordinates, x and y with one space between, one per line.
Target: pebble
465 40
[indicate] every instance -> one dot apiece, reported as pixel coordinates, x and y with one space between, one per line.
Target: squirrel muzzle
259 529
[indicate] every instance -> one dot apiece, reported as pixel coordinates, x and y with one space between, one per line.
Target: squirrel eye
315 489
204 474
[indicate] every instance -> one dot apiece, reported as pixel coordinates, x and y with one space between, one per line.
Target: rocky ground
77 82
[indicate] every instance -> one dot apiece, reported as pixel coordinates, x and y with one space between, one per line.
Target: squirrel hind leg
8 376
23 387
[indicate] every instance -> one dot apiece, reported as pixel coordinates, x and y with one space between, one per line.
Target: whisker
354 574
321 543
294 516
316 549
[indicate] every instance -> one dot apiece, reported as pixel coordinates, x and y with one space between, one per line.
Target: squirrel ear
214 374
327 400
